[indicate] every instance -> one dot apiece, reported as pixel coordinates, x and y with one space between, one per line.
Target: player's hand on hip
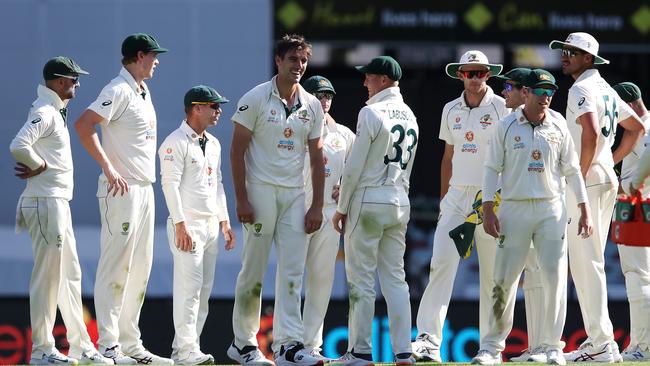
115 181
183 237
335 192
245 213
313 219
585 224
491 224
24 172
339 222
228 235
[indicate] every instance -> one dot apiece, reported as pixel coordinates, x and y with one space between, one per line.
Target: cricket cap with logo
472 57
318 83
140 42
583 41
202 94
382 65
628 91
61 66
539 77
516 75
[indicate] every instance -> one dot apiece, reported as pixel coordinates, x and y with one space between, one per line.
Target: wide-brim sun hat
583 41
472 57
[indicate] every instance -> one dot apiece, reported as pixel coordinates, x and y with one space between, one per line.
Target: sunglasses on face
474 73
212 105
324 95
509 87
571 53
73 78
541 91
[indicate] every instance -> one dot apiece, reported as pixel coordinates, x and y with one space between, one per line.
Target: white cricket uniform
468 130
274 166
374 196
533 162
635 261
192 183
44 210
129 140
323 245
591 93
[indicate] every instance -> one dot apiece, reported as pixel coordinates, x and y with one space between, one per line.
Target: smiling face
513 93
292 66
538 103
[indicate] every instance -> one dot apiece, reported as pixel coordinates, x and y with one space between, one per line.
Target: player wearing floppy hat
466 124
42 150
190 175
533 153
323 245
127 155
635 261
374 209
593 112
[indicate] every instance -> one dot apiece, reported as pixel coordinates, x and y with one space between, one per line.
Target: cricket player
593 112
127 156
323 244
635 261
373 212
44 160
190 174
275 124
533 152
466 125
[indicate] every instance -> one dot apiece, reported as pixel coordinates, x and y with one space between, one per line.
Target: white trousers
375 237
193 279
56 276
543 221
635 264
534 299
319 277
124 263
587 261
454 208
279 217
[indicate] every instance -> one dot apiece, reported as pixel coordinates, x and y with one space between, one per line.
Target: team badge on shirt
537 165
518 144
485 121
303 115
469 146
274 117
457 125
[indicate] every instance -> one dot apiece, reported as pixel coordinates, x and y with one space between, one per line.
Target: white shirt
190 179
128 128
337 144
276 154
384 149
533 161
591 93
469 130
631 161
45 138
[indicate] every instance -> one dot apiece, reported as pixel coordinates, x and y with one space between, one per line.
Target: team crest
303 115
472 57
288 132
485 121
517 138
257 227
322 82
125 228
469 136
457 119
544 77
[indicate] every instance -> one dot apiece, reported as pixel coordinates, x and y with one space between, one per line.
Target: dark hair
129 60
291 42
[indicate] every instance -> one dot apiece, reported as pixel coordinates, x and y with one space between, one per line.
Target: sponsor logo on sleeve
107 103
37 120
243 108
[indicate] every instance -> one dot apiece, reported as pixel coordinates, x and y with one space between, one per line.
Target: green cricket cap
539 77
61 66
382 65
140 42
318 83
517 75
628 91
203 94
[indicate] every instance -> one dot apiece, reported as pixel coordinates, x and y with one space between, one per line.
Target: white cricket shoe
248 356
537 354
616 354
195 358
315 352
349 359
54 358
115 353
93 357
555 356
143 356
523 357
424 350
296 354
588 353
636 353
485 357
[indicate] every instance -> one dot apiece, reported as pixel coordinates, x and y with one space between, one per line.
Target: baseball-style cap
140 42
203 94
61 66
628 91
382 65
517 75
539 77
318 84
583 41
472 57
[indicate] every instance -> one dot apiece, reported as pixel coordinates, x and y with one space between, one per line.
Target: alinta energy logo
478 16
291 14
641 19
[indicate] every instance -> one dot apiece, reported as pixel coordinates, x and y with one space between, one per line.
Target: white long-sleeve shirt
190 179
384 149
533 161
44 138
630 162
